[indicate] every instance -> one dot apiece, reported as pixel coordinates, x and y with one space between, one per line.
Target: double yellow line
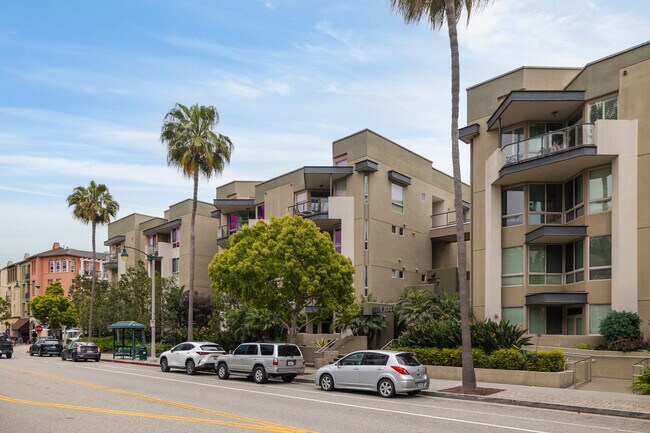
232 420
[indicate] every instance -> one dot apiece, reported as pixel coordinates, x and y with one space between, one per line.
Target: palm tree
93 205
195 149
437 12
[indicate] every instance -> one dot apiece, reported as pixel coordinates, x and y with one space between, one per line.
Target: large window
175 268
514 315
573 199
512 135
340 188
606 109
596 314
574 262
176 237
600 190
600 258
397 197
260 211
512 206
545 264
51 266
512 266
545 204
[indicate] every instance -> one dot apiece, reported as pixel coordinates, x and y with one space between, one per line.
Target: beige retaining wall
562 379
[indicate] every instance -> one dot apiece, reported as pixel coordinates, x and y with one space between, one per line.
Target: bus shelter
125 335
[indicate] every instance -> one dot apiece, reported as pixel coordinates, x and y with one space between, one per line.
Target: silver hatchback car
384 371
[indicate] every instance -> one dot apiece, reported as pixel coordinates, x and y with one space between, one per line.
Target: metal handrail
446 219
639 368
585 360
389 343
328 345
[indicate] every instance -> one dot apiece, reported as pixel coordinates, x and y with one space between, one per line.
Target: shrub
641 384
507 359
584 346
620 324
321 342
481 359
105 343
626 345
491 336
550 361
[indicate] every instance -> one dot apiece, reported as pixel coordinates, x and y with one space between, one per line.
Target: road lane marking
373 408
150 415
266 424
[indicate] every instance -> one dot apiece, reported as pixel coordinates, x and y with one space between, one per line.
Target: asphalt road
49 395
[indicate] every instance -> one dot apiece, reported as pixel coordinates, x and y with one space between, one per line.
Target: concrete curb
525 403
131 362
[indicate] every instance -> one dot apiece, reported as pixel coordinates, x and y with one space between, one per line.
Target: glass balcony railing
223 232
316 206
548 144
447 219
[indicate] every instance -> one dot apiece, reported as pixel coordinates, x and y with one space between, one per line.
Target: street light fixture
151 258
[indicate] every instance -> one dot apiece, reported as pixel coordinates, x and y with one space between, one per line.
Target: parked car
46 346
81 350
191 356
261 361
384 371
6 347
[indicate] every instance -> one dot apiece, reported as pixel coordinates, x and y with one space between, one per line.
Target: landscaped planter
563 379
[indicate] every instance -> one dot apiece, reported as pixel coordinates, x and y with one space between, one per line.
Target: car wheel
190 368
259 374
413 392
164 365
62 357
74 357
386 388
31 353
97 360
326 382
40 354
222 371
289 378
9 355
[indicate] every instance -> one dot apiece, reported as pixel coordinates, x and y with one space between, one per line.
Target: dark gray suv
261 361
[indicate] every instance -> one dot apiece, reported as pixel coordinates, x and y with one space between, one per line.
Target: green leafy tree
80 294
437 12
93 205
283 267
53 307
131 297
415 307
196 150
5 310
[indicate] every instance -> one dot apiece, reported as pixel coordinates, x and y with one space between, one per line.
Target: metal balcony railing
447 219
548 144
316 206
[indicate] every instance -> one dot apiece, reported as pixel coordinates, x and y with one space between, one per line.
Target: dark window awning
557 298
20 325
115 240
366 166
540 105
467 133
317 177
399 178
163 228
230 205
556 234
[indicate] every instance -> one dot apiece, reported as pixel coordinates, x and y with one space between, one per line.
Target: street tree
103 311
196 150
95 206
53 307
437 13
282 267
5 310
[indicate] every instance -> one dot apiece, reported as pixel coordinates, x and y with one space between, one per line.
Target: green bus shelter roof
126 324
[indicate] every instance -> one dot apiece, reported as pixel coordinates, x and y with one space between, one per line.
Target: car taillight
400 370
275 361
202 353
425 370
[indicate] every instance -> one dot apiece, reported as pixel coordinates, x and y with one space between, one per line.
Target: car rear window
211 348
288 350
407 359
51 343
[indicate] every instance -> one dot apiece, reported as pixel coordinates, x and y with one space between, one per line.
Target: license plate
290 363
421 385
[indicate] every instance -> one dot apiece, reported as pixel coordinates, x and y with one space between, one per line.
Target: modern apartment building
561 216
168 240
385 207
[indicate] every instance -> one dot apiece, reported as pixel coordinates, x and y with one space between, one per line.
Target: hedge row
504 359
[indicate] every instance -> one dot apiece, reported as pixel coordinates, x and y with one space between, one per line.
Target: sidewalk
569 399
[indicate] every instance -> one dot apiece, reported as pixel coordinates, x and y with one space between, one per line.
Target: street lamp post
152 260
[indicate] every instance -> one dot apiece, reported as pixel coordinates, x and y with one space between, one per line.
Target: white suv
191 356
261 361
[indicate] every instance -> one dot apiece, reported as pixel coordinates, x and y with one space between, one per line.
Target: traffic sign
38 328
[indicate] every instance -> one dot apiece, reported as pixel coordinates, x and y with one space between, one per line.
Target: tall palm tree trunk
190 312
468 374
92 285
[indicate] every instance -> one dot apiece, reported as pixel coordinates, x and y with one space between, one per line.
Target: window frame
545 216
605 201
397 203
577 209
517 274
520 216
575 274
593 269
176 237
601 103
556 277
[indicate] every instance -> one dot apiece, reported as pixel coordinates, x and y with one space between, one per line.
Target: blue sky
84 87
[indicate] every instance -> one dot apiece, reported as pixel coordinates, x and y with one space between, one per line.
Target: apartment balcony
309 209
443 226
550 157
111 261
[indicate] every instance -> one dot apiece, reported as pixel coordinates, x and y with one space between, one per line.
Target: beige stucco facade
594 154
